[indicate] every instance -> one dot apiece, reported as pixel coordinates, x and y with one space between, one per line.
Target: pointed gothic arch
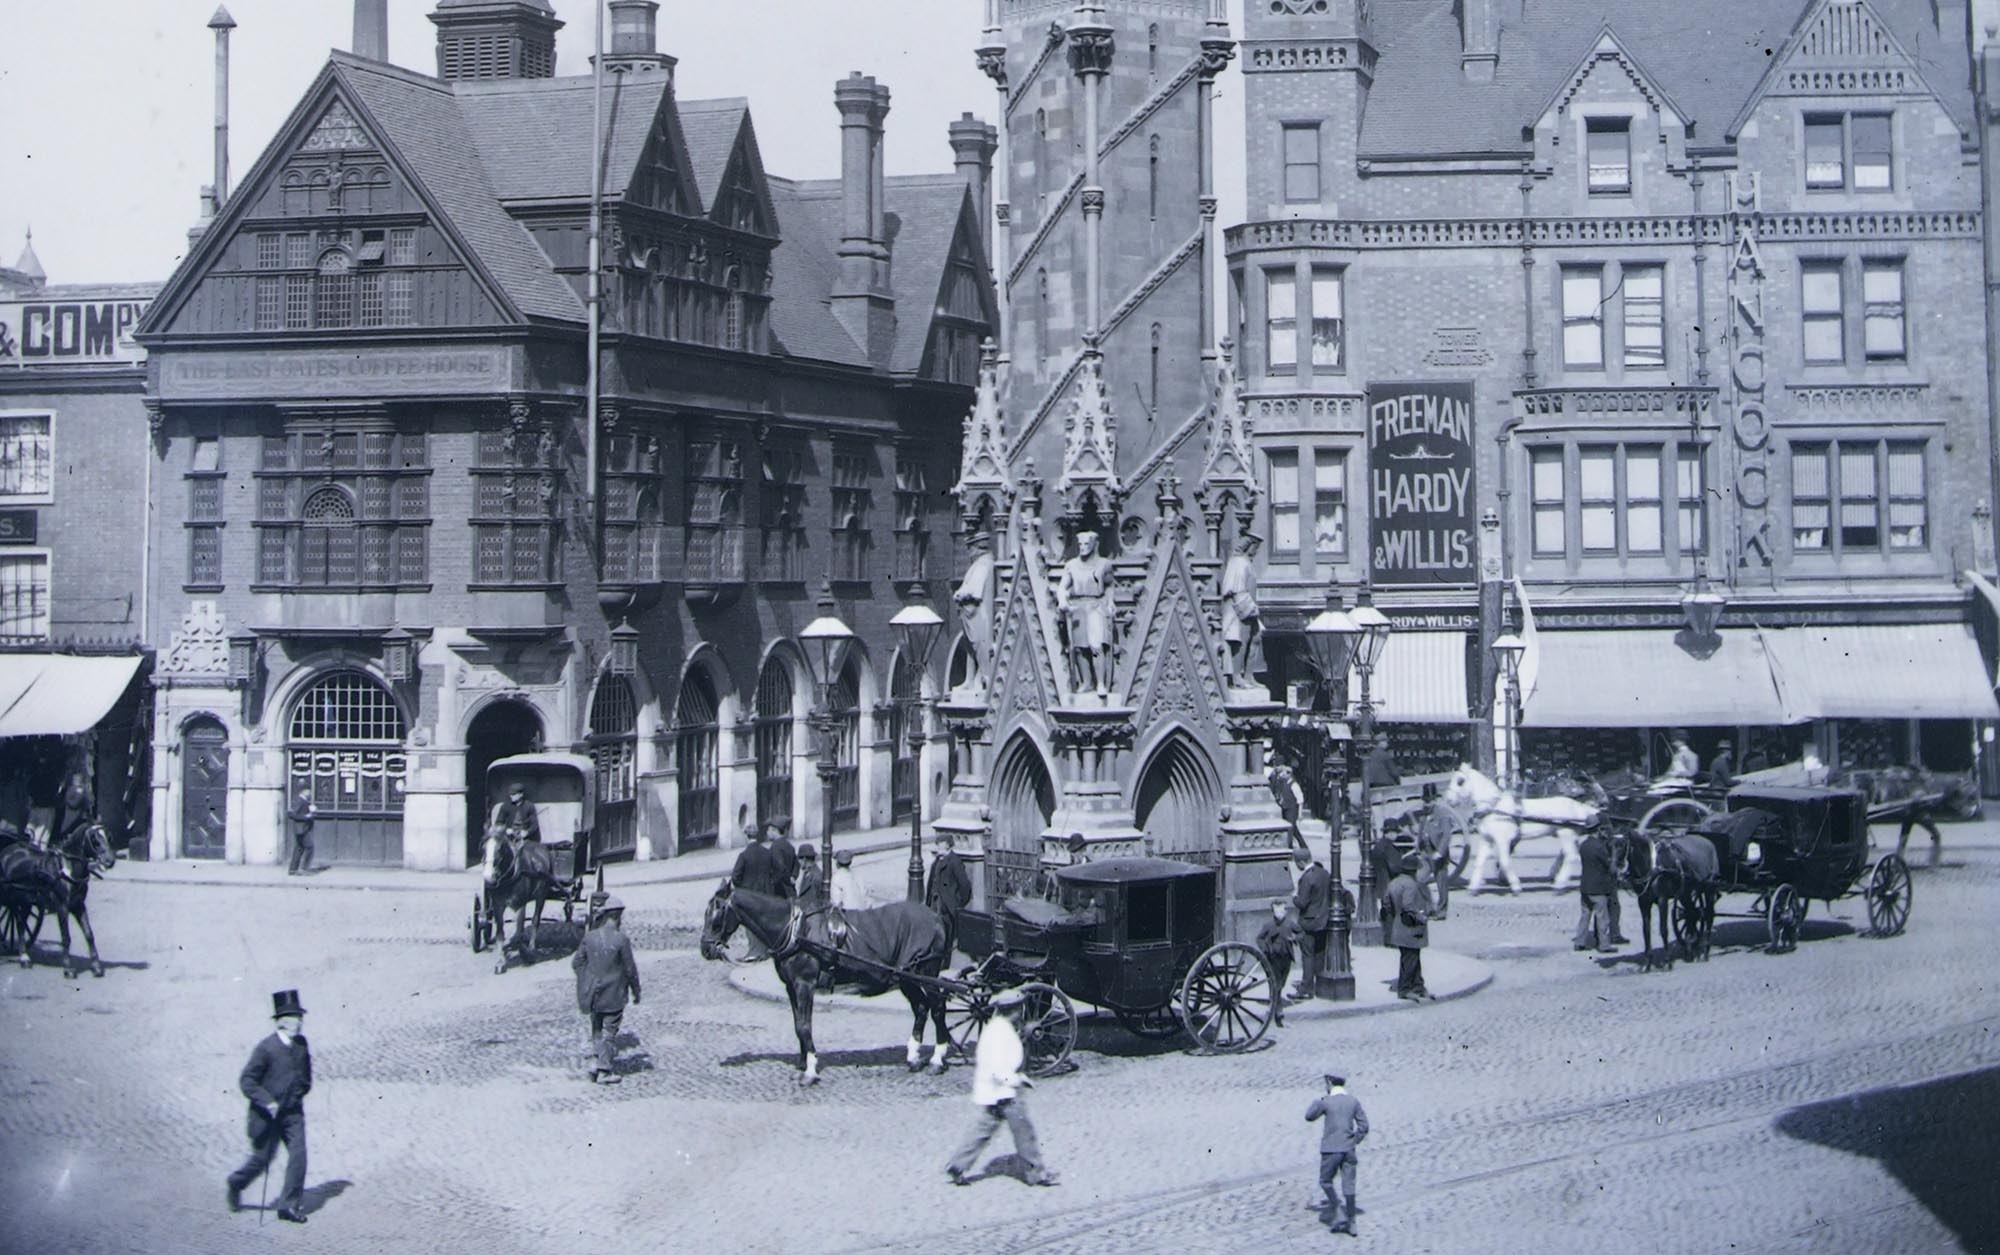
1177 799
697 756
1024 800
776 716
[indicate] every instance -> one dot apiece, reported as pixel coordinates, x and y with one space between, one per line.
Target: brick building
379 562
1671 293
72 543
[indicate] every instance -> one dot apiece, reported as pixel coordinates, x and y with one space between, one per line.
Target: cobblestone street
1840 1098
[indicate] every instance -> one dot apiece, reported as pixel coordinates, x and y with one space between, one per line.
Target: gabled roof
1708 56
527 128
928 211
804 268
421 119
710 128
742 152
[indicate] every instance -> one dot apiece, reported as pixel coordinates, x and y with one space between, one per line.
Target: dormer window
1849 152
1608 149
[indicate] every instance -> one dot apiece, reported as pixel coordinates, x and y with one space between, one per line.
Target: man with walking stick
276 1081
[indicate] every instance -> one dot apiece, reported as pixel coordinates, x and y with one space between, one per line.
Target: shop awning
1419 679
1883 671
1641 678
57 694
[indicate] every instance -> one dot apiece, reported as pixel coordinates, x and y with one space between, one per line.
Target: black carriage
1790 845
1134 936
563 789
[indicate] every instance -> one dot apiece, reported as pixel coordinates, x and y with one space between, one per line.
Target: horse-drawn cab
1136 936
562 788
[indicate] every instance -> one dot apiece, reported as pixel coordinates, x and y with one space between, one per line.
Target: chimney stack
1479 39
221 24
634 41
861 298
973 144
371 29
484 39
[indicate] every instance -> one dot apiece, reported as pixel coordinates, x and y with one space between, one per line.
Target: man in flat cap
1339 1138
809 874
515 817
276 1081
997 1082
605 975
778 840
847 891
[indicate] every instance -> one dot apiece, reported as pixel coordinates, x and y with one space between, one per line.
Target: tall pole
1090 52
829 766
916 731
1339 966
1367 903
596 273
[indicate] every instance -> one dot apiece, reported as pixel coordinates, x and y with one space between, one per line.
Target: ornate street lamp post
826 640
1374 628
918 626
1330 640
1507 651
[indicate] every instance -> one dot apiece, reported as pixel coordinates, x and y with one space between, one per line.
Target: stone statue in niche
1083 594
971 599
1241 619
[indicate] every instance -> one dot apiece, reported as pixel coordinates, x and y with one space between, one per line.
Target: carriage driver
516 816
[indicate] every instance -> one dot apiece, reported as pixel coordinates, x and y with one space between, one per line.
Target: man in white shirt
996 1085
845 890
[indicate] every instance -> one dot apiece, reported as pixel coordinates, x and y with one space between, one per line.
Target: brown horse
1666 871
56 881
899 946
517 873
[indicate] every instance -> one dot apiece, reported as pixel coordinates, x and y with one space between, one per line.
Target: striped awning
57 694
1420 678
1642 679
1883 671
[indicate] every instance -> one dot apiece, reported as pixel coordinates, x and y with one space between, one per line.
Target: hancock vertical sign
1422 528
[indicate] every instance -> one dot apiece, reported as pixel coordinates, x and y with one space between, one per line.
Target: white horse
1503 819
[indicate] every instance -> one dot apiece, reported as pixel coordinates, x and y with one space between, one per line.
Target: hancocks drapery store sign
1422 525
34 333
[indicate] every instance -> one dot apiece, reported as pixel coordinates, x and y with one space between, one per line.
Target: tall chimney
861 299
973 144
1479 39
371 29
221 24
878 227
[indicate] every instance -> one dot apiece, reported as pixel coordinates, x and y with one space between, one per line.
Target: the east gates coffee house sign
1422 529
34 333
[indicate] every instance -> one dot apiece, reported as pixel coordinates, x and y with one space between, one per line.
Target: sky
107 106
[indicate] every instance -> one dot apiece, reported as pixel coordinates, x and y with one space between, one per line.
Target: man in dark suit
756 867
809 877
301 814
777 839
1314 903
949 890
1409 911
1276 942
1600 894
276 1081
516 814
605 975
1346 1124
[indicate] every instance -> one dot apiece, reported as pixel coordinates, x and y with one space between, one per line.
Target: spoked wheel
1677 812
1889 896
479 923
1683 924
1782 919
1228 998
1155 1024
1048 1028
966 1010
18 928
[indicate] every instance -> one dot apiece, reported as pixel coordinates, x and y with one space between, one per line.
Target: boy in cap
276 1081
605 974
1346 1124
996 1084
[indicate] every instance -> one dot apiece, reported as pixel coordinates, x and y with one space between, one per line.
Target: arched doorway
696 744
204 788
614 755
904 687
1023 800
1179 802
346 745
959 672
774 743
847 747
502 729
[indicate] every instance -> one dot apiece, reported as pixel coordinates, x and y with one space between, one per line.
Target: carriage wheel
1228 998
1783 917
1683 925
966 1010
1153 1024
1679 812
18 927
1889 896
478 923
1048 1028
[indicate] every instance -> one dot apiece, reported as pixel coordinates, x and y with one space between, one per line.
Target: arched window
732 311
1042 317
774 742
333 295
905 687
1043 171
346 748
696 743
1153 178
327 543
614 748
1153 389
847 747
1153 50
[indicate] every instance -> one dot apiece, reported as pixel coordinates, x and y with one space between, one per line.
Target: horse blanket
1735 830
1692 856
901 936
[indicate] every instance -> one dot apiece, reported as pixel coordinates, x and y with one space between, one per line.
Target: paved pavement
1839 1098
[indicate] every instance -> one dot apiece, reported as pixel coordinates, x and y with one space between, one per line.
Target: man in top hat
949 890
809 876
1313 901
997 1082
516 815
847 893
276 1081
1346 1124
777 839
605 975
